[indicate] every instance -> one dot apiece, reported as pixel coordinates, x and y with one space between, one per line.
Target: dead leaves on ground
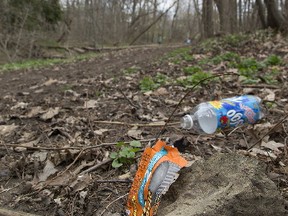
107 108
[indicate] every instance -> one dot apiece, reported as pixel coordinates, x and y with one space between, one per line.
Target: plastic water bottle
208 117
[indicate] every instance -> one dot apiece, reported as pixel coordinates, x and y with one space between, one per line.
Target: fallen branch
152 124
96 166
68 148
8 212
261 86
127 181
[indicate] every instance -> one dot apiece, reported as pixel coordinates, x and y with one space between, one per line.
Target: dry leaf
90 104
255 151
28 144
134 133
50 82
81 182
170 102
100 132
20 105
40 155
272 145
161 91
270 95
35 111
125 176
51 113
6 130
48 170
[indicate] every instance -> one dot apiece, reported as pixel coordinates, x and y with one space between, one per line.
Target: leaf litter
75 124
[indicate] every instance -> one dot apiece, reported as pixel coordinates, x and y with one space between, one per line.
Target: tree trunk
222 6
286 9
207 17
233 16
174 20
275 20
261 13
240 15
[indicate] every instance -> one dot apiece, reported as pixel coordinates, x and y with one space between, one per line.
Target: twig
120 90
121 197
273 128
260 86
72 147
152 124
7 150
8 189
96 166
114 181
129 101
233 130
8 212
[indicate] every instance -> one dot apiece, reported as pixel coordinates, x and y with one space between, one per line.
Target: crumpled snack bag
157 170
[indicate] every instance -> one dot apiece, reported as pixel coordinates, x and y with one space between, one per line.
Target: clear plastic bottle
208 117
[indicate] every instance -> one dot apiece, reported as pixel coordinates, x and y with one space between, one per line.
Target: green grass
178 55
273 60
231 57
149 84
41 63
29 64
131 70
125 153
192 80
192 70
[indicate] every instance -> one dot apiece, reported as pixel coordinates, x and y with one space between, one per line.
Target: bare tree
275 19
228 15
207 16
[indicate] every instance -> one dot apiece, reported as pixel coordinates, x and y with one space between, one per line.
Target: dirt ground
58 122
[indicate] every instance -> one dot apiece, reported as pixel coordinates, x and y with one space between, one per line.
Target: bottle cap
187 122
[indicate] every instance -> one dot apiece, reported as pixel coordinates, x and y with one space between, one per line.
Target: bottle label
232 112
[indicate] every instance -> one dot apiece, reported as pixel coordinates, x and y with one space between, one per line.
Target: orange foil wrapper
157 170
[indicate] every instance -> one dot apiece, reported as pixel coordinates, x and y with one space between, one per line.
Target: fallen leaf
148 93
218 149
83 194
39 91
35 111
50 82
161 91
19 105
71 92
171 102
255 151
81 182
125 176
51 113
6 130
248 90
272 145
134 133
90 104
28 144
48 170
40 155
100 132
270 95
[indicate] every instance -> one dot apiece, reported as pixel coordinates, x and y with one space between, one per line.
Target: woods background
29 25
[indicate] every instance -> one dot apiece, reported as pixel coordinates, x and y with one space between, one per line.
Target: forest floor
59 124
